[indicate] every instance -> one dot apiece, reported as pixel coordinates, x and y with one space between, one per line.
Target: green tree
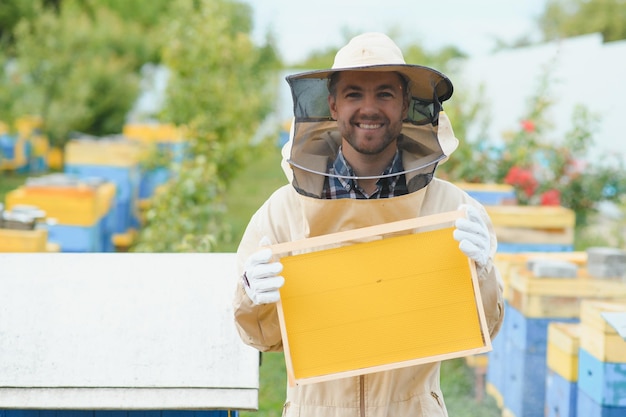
71 69
13 11
567 18
220 90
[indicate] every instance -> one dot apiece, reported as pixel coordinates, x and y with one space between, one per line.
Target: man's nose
370 105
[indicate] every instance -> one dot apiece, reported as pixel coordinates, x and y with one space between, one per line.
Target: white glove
261 278
473 236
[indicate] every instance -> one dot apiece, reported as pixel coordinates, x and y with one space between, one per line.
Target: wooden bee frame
403 294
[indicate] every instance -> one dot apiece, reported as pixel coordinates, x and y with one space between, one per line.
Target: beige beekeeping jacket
288 216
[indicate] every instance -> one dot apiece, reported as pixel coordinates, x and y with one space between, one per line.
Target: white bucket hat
375 51
315 138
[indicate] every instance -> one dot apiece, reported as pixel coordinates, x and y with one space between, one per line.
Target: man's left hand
473 236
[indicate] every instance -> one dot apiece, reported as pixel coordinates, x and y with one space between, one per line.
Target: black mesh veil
316 140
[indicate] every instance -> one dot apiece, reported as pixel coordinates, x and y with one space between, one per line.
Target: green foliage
76 63
218 89
543 170
461 391
566 18
255 183
272 383
79 79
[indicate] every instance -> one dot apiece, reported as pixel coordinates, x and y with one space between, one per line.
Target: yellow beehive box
104 152
372 316
551 225
23 240
597 336
153 133
532 217
477 186
562 349
55 158
26 125
507 263
559 297
76 206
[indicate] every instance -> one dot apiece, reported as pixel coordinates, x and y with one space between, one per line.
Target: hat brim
424 83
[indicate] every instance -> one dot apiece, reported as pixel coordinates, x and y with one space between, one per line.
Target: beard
370 143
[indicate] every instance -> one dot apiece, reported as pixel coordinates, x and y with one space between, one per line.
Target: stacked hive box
490 194
115 160
601 363
19 232
511 265
82 210
533 228
518 374
524 230
562 372
26 149
12 240
166 145
14 151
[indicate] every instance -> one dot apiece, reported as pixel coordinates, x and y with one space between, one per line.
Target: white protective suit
296 212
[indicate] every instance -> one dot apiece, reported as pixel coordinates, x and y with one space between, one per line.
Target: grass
250 189
260 178
10 181
457 383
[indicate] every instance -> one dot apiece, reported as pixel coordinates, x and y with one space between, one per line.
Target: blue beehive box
524 388
519 372
490 194
77 238
151 180
603 382
126 180
561 396
496 365
512 247
528 333
587 407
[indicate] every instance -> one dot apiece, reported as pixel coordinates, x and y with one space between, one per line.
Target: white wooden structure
122 331
582 71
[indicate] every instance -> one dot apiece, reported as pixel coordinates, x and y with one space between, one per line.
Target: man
367 137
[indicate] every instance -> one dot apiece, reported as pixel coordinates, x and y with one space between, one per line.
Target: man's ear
332 106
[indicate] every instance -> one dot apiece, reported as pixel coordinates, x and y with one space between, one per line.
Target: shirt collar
342 168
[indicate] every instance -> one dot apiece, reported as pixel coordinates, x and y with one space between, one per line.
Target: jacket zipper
436 397
362 394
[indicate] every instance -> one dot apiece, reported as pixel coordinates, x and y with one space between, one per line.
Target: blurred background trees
77 64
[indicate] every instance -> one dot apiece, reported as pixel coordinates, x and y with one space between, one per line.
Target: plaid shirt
386 187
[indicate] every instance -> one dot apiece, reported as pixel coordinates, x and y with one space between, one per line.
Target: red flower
523 178
528 126
551 198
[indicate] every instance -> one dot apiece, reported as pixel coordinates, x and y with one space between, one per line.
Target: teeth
366 126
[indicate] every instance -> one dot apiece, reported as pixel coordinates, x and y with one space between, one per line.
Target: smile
370 126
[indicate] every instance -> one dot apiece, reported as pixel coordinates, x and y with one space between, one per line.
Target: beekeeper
367 137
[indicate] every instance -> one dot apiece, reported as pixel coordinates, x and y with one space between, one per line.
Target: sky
302 27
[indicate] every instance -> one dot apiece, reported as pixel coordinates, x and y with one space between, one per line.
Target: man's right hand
261 278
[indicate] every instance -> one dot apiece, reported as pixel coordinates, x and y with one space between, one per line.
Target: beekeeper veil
315 139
